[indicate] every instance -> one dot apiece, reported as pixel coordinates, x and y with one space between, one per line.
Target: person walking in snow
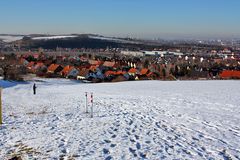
34 88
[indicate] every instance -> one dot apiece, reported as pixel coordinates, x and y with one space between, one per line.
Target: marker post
1 122
86 102
92 105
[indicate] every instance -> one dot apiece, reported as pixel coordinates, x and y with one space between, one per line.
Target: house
73 73
143 74
228 74
127 76
54 68
69 72
66 70
94 62
152 75
35 55
40 66
121 72
120 76
132 72
83 59
91 76
1 72
144 71
47 62
82 74
93 68
99 74
109 64
23 61
2 57
109 75
30 66
199 74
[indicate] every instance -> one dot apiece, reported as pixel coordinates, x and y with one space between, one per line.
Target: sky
124 18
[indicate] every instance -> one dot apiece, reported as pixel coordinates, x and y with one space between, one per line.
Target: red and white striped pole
1 118
86 102
92 105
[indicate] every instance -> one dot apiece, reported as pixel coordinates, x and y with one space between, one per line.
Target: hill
131 120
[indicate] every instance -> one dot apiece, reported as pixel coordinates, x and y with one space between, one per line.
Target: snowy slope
52 37
132 120
119 40
10 38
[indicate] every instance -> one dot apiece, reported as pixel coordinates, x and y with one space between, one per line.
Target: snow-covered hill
52 37
10 38
132 120
119 40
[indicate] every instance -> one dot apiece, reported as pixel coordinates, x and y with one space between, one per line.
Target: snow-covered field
132 120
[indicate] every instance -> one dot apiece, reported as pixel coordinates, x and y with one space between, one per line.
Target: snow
113 39
132 120
10 38
52 37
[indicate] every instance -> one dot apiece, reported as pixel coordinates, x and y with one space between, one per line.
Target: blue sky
137 18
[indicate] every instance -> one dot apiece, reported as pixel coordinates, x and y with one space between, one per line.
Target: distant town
136 60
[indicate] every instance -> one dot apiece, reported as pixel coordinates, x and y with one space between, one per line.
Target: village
121 66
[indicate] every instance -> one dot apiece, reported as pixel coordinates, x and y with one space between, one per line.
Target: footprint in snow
105 151
133 151
114 136
142 155
130 123
128 133
112 145
108 158
61 157
137 137
195 139
107 141
138 145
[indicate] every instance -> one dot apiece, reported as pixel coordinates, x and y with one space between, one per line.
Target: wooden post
86 102
1 122
92 105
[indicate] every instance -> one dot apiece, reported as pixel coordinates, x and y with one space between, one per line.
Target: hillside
71 41
132 120
35 41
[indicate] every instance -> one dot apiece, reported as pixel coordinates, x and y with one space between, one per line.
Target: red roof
22 61
53 67
109 64
83 72
230 74
108 73
40 64
150 74
132 70
144 71
120 72
66 70
94 62
31 64
36 55
93 68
